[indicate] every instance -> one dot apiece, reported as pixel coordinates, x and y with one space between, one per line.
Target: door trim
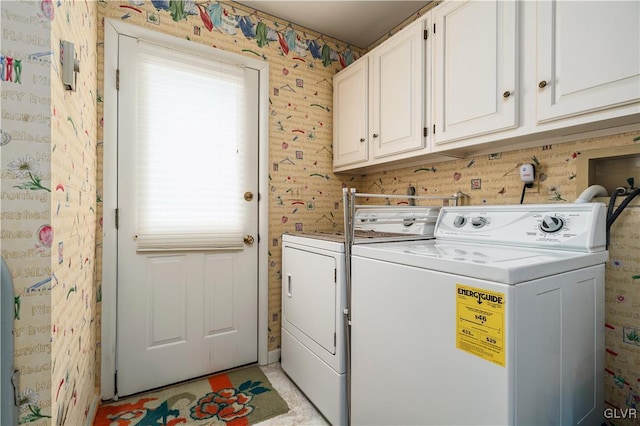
114 28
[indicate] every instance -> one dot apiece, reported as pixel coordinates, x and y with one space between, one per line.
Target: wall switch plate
69 64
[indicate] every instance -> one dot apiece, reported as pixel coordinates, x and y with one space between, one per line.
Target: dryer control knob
478 221
459 221
551 224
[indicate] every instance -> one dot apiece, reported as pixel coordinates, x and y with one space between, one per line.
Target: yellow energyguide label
480 323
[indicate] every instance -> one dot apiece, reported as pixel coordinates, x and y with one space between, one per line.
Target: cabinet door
398 92
350 114
588 55
475 68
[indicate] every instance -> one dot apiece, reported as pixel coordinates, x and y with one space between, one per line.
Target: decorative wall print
153 18
631 335
47 9
633 400
229 19
45 235
10 69
26 167
42 285
425 169
555 195
476 183
25 79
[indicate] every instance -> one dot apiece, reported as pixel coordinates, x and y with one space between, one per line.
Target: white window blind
189 164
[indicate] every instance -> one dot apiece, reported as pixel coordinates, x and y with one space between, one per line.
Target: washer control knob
551 224
459 221
478 221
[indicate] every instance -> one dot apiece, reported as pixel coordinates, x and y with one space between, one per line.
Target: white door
350 114
187 283
475 66
398 93
588 56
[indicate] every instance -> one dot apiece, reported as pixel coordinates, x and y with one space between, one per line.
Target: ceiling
358 23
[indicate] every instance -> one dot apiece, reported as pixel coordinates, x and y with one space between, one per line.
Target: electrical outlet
535 186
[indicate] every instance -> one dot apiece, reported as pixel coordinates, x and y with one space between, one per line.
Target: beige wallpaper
26 221
48 210
73 211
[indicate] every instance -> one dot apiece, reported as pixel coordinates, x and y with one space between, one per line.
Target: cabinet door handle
506 94
542 84
375 135
288 285
361 139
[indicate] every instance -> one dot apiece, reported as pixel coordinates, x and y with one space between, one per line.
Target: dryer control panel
573 227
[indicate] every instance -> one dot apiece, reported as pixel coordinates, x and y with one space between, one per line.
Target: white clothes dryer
498 321
314 299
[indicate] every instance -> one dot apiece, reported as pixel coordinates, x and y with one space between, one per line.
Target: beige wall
73 209
48 210
25 154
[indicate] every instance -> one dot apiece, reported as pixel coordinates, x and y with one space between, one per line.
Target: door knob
249 240
506 94
248 196
375 135
542 84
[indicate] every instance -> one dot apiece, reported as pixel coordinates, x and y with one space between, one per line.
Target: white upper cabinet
397 94
493 75
387 121
588 56
475 68
351 114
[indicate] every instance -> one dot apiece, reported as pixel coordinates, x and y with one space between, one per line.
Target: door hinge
118 79
426 34
434 129
434 27
115 383
335 275
117 218
335 339
425 132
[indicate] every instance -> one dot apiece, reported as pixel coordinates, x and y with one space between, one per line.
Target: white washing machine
498 321
314 297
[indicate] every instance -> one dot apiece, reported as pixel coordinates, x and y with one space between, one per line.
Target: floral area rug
236 398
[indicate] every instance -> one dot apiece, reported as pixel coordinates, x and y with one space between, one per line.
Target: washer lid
503 264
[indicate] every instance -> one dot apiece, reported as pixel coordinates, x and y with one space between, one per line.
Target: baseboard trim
273 356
